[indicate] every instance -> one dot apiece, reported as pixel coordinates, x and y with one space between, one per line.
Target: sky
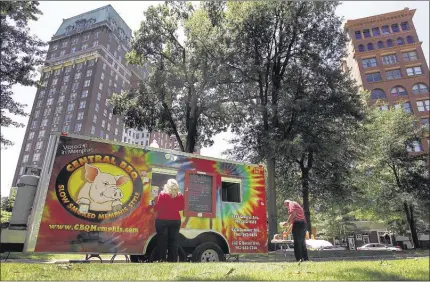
131 11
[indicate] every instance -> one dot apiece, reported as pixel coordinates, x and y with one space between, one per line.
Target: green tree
396 181
21 54
273 47
184 93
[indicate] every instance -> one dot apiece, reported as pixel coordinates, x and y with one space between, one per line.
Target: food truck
96 197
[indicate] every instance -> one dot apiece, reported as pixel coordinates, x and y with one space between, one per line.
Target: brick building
386 58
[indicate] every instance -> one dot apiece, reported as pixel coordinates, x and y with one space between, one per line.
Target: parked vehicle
332 248
96 197
379 247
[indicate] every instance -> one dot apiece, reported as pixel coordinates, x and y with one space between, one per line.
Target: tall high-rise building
85 64
386 58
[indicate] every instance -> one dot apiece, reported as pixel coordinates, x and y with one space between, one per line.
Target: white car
332 248
378 247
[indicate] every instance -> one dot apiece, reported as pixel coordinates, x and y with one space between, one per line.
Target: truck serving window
160 177
231 190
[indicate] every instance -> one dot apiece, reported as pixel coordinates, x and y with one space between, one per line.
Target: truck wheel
181 254
208 252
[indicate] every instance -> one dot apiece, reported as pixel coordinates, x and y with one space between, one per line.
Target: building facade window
385 29
80 116
410 39
400 41
93 130
68 118
410 56
84 94
369 63
73 50
78 127
105 112
56 120
366 33
407 108
41 134
97 107
25 158
99 96
415 146
375 31
405 26
358 34
389 59
36 114
85 46
413 71
39 145
361 48
420 88
44 122
75 41
47 112
101 86
95 119
95 43
70 107
72 96
77 76
425 122
380 45
66 128
82 104
27 147
395 27
398 91
31 135
103 123
393 74
390 43
50 101
423 106
89 73
373 77
87 83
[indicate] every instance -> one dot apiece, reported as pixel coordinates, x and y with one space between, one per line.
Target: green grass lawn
408 269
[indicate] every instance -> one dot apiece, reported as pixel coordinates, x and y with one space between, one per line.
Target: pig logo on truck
99 188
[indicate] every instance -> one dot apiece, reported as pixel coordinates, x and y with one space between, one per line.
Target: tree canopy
21 54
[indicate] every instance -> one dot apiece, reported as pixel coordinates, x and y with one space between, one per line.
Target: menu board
200 195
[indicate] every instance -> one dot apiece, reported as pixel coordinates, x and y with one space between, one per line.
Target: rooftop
406 12
106 13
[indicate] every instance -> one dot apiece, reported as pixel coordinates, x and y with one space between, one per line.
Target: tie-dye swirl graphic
99 199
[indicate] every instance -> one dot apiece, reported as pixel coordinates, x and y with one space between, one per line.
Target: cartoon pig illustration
101 192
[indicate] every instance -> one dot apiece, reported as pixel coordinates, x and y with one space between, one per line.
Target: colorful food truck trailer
96 197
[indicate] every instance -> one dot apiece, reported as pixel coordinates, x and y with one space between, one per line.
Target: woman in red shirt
168 205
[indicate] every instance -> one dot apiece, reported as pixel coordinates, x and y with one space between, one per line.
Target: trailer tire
182 256
208 252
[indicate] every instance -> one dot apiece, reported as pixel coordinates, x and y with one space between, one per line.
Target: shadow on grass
367 274
37 256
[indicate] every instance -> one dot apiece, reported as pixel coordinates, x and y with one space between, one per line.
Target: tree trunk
409 210
271 198
305 193
192 125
